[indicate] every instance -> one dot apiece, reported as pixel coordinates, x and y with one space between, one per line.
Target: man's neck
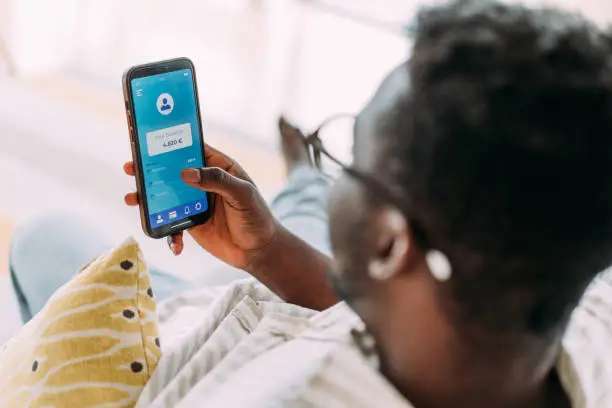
473 383
432 366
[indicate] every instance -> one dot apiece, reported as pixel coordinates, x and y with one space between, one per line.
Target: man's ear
393 244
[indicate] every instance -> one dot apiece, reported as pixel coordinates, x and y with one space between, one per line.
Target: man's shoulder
591 322
585 366
316 365
309 372
348 379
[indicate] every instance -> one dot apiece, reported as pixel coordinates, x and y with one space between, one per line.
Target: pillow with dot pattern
94 344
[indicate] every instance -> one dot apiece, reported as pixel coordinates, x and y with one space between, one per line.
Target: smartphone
163 113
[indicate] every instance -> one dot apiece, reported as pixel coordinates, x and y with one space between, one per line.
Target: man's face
352 210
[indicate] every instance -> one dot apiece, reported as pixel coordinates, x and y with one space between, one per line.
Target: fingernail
171 244
191 175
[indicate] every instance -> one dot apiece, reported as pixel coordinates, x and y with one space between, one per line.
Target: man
467 236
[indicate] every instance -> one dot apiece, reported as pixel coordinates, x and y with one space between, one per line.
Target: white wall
40 35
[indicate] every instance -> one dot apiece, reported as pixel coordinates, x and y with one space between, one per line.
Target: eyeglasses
338 131
334 131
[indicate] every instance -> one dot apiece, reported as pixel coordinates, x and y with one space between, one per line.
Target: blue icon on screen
165 105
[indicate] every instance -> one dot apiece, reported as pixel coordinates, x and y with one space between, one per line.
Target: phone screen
168 130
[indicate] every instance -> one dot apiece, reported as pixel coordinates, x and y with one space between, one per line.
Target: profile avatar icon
165 104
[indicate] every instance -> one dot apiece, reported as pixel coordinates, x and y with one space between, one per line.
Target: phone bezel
146 70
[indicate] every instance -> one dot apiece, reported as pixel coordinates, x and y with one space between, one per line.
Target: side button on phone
130 124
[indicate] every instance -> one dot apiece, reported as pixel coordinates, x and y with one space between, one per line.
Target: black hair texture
504 147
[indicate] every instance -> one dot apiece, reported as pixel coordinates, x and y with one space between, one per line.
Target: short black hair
504 146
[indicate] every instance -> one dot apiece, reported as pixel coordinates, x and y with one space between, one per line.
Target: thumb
218 181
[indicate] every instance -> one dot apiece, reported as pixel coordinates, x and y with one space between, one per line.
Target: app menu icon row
178 213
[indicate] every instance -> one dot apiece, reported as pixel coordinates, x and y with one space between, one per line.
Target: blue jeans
48 251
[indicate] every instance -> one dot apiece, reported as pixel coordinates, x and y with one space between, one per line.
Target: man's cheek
347 213
337 228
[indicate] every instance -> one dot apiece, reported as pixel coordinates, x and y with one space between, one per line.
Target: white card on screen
169 139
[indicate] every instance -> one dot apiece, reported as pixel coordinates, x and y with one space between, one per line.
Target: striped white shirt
243 347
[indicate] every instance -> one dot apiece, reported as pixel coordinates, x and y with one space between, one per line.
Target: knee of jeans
36 235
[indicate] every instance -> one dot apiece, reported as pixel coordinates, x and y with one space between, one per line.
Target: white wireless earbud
439 265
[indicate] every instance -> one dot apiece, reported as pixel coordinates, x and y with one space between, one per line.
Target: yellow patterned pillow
94 344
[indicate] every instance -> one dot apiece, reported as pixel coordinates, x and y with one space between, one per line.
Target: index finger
215 158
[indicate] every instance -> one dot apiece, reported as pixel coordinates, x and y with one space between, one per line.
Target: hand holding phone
163 113
243 233
241 223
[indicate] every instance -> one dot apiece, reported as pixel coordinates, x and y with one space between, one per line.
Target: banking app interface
169 136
